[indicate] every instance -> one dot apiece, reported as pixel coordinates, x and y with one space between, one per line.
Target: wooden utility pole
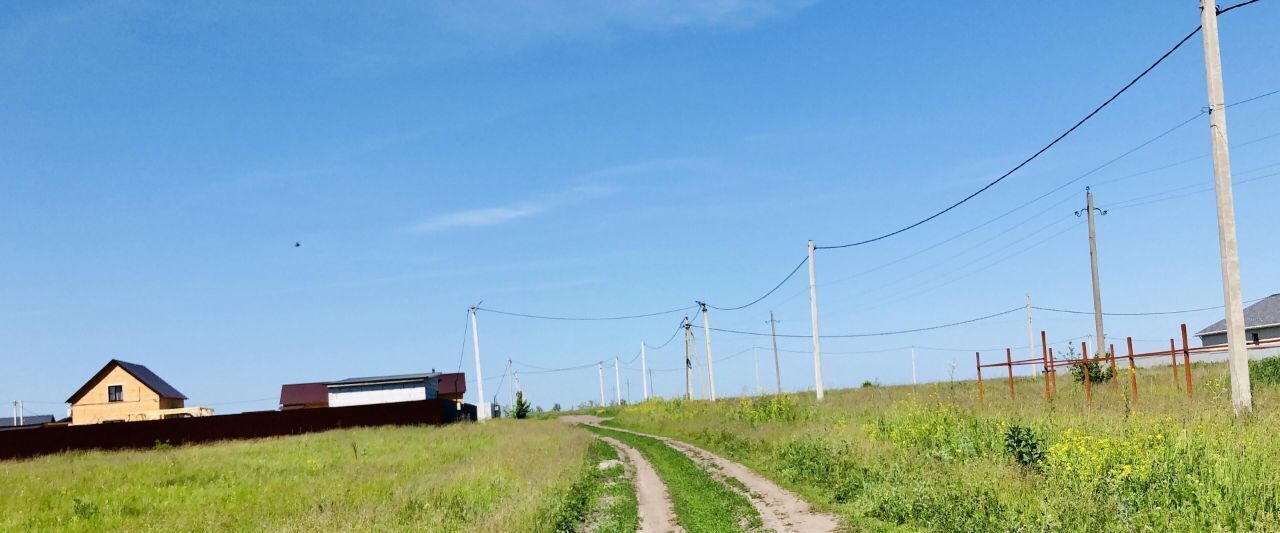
482 409
813 314
777 368
1093 263
1237 357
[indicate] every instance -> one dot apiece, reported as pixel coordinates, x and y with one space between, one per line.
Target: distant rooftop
398 378
1264 312
30 420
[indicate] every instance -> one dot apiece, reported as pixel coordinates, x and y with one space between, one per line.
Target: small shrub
161 446
1265 370
84 509
1024 445
1099 372
522 406
869 384
781 408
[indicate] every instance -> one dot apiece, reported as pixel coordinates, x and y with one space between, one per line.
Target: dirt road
657 515
780 509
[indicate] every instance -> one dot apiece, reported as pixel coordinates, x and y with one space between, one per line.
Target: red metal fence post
1008 361
1084 366
977 357
1133 373
1053 366
1186 360
1112 356
1044 358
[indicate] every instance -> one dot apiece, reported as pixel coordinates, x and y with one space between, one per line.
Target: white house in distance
383 389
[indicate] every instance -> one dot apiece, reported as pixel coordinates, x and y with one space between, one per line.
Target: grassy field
932 457
465 477
702 503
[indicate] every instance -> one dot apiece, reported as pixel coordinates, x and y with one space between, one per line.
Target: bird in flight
297 245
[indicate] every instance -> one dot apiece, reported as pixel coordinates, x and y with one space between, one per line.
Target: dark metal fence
33 442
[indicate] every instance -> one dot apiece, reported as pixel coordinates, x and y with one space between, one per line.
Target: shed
1261 322
383 389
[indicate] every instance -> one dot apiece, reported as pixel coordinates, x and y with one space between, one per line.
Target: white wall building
383 389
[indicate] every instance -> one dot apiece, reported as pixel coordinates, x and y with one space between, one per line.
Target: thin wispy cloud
502 214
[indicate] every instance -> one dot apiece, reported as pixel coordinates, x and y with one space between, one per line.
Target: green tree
522 406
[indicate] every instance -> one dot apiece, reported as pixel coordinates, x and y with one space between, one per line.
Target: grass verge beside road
934 457
502 475
702 503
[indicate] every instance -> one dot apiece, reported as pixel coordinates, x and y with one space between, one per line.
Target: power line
876 334
466 328
1042 150
1150 313
583 318
544 370
771 291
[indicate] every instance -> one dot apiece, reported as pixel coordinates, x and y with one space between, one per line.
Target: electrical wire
766 295
876 334
1151 313
581 318
1028 160
669 339
466 328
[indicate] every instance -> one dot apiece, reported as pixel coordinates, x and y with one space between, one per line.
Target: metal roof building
1261 322
383 389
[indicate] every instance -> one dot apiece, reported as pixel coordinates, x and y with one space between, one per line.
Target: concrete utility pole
1093 262
688 364
1031 336
756 357
1237 358
511 389
813 312
617 382
913 366
644 372
482 409
600 367
706 333
773 333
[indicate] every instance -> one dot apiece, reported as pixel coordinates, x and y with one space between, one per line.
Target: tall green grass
934 457
502 475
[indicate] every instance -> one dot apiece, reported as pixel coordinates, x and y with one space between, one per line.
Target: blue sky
586 158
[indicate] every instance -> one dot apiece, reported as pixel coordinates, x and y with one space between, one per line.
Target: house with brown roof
123 391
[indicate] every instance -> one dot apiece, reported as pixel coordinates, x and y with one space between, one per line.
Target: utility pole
600 367
813 312
511 389
1237 358
913 366
650 375
706 333
756 357
773 333
15 413
617 382
1093 262
482 409
688 364
1031 336
644 372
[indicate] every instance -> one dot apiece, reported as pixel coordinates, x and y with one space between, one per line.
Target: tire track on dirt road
657 513
779 509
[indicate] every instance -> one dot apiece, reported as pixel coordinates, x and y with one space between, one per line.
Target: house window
115 393
1256 340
